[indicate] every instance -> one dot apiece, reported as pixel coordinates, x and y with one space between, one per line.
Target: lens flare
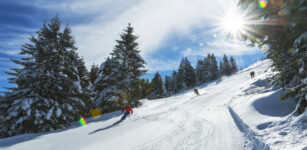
82 121
95 113
263 3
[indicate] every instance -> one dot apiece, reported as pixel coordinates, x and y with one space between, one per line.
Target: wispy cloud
158 65
154 22
4 59
221 46
11 52
96 24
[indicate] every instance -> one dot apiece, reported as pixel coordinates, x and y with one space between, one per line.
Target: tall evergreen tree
206 70
214 68
297 87
226 66
174 82
145 88
198 72
93 73
180 84
233 66
47 95
87 95
130 63
209 63
168 85
157 87
105 87
3 109
188 73
222 71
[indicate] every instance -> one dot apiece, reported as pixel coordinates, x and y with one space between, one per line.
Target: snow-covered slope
235 112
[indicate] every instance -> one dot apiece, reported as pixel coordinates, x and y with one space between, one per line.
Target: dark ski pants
124 116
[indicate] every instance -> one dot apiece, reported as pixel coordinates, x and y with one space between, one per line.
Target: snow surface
232 113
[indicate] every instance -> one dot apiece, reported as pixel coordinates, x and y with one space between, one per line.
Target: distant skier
128 110
196 91
252 74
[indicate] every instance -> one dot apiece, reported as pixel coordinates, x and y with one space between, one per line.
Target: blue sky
168 30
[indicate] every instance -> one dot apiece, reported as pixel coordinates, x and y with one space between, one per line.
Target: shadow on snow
108 127
10 141
271 105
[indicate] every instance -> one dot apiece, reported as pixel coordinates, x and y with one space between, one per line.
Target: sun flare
232 24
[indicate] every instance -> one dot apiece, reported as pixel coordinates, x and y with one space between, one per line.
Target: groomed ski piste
232 113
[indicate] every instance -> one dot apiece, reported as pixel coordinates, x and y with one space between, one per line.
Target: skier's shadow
108 127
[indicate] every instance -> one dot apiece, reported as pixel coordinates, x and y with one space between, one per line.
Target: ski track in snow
183 122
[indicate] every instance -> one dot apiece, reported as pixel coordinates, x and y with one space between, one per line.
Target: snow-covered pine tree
188 73
226 66
221 70
198 74
105 87
214 68
233 65
145 88
174 82
157 87
180 84
210 75
297 87
136 91
300 55
130 62
167 84
3 112
87 94
48 85
206 69
3 109
93 73
79 94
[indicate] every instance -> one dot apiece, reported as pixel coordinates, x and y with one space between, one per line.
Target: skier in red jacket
128 110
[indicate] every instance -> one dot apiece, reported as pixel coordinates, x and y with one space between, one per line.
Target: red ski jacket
128 110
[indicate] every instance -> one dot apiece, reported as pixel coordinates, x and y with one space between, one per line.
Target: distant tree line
187 77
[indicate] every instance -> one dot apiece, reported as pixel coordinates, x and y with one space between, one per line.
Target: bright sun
232 24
